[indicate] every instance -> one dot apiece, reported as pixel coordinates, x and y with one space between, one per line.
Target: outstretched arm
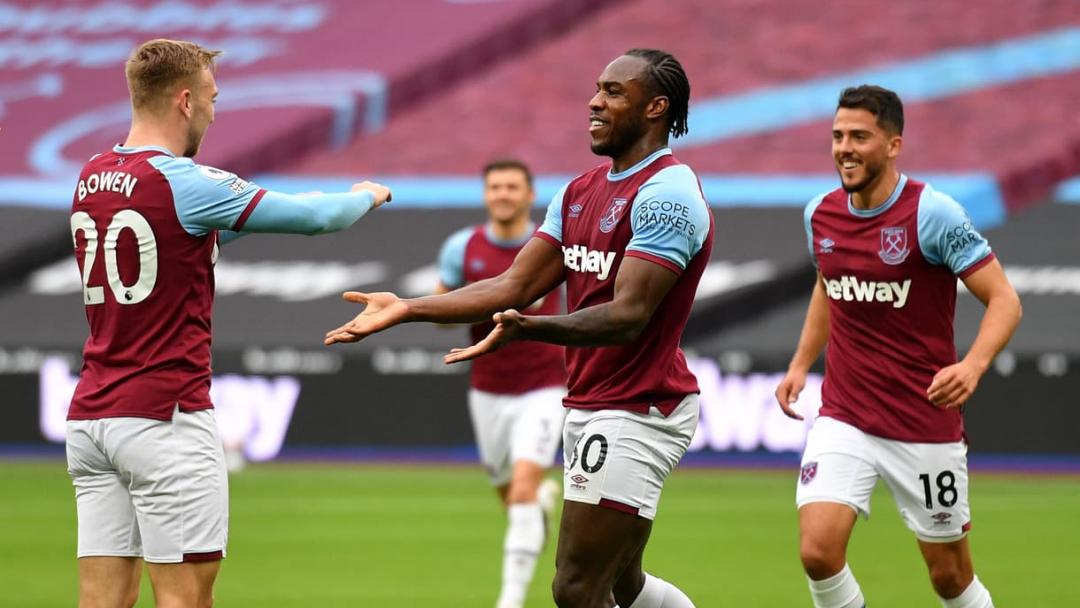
953 385
208 199
640 286
536 270
314 213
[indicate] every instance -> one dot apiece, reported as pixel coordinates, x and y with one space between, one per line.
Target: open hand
381 311
507 328
788 391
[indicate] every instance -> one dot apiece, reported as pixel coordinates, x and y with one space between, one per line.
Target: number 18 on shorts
928 481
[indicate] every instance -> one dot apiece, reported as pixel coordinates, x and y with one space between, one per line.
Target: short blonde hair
157 65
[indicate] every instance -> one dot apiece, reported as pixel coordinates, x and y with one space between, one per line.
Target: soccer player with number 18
889 250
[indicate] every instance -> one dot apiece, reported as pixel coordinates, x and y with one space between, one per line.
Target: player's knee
561 590
131 598
572 590
949 579
200 600
820 561
628 586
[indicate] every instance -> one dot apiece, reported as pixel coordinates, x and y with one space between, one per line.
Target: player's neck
875 194
515 229
145 133
640 150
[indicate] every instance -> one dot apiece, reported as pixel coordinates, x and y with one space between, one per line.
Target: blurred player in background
888 251
142 442
515 399
631 239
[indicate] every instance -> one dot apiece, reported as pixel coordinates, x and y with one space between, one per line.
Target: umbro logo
941 519
575 210
827 245
579 479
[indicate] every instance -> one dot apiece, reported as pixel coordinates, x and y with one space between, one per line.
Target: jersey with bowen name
653 211
142 225
890 278
474 254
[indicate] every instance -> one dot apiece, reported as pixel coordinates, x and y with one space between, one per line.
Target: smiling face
617 112
863 151
507 195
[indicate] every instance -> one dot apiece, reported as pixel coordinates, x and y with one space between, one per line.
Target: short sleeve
452 259
206 198
669 218
946 234
808 218
552 225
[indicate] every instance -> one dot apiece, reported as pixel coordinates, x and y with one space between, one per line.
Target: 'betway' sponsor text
583 259
849 288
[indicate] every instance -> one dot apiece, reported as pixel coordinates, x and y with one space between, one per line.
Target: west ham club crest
894 245
809 471
611 216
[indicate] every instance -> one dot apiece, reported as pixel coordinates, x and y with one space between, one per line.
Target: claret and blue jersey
653 211
474 254
889 274
145 227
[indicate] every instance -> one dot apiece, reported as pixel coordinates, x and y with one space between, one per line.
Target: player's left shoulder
222 179
946 233
201 181
675 183
935 204
670 205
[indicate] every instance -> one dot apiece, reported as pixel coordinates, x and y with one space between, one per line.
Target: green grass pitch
415 536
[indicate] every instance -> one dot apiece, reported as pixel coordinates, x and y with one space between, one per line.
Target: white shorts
150 488
928 481
620 459
510 428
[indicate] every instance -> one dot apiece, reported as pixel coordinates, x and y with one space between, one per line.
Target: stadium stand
307 104
969 77
293 81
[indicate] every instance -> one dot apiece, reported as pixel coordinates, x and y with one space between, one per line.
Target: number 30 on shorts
946 489
594 450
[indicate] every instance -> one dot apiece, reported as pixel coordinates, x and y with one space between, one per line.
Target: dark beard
618 143
872 173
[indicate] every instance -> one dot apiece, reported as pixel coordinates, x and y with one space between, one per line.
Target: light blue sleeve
552 225
946 235
670 218
452 259
206 198
808 216
308 213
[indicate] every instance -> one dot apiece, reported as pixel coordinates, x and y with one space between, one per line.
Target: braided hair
667 78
